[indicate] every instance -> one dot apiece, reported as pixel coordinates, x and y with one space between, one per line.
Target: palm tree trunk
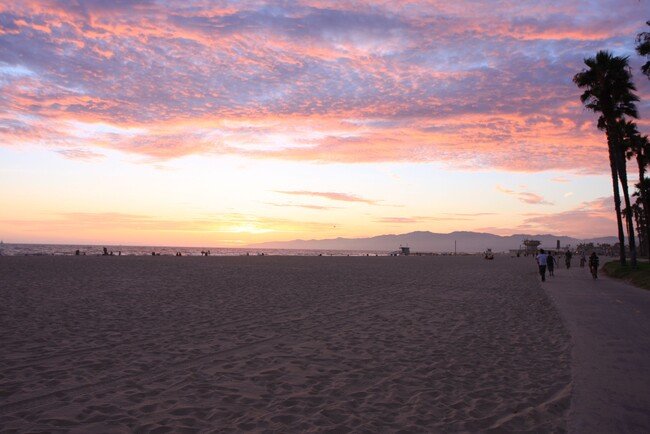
646 212
629 218
640 161
617 207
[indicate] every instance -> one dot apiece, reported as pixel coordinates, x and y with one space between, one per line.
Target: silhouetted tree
637 146
608 90
641 216
643 49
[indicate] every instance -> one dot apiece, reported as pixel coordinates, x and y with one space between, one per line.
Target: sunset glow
225 123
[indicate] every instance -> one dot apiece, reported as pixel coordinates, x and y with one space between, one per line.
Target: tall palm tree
608 90
620 149
643 49
638 146
641 213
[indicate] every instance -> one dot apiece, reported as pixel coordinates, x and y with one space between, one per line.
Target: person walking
542 262
550 263
593 264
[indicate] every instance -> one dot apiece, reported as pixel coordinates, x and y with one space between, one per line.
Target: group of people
546 261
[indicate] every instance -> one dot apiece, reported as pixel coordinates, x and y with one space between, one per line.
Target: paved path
610 325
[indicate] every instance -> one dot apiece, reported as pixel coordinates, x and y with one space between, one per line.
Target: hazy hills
467 242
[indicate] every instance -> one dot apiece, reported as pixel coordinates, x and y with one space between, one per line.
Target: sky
226 123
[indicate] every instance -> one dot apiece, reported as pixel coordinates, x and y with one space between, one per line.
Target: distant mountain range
462 242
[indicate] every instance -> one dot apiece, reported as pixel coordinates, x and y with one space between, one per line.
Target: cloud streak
524 196
342 197
79 154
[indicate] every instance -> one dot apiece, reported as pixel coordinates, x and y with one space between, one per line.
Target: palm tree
608 90
643 49
641 213
638 146
620 148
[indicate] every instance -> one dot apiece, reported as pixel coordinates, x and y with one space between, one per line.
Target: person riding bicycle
593 264
567 259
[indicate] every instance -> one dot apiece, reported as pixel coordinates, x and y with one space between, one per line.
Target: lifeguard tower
531 247
403 251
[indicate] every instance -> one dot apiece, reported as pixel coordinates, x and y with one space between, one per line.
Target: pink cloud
421 81
343 197
399 220
306 206
79 154
524 196
419 219
590 219
476 214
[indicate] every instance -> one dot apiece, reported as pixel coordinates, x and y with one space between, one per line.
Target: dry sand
280 344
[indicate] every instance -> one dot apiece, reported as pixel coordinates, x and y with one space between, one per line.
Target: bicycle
594 271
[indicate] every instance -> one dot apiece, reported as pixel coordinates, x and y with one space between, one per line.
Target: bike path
609 322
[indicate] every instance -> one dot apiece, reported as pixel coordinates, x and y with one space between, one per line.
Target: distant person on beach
593 264
550 263
542 262
105 251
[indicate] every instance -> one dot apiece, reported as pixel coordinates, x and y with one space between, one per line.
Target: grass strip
638 276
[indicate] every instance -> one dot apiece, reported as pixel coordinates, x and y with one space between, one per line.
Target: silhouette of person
550 263
567 259
542 262
593 264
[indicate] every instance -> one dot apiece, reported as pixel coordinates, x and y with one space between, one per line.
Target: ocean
97 250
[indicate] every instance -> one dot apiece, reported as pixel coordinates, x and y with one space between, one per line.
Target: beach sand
280 344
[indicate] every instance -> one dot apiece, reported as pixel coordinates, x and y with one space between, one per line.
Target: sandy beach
280 344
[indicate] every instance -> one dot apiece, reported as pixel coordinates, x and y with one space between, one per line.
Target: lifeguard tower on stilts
531 247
